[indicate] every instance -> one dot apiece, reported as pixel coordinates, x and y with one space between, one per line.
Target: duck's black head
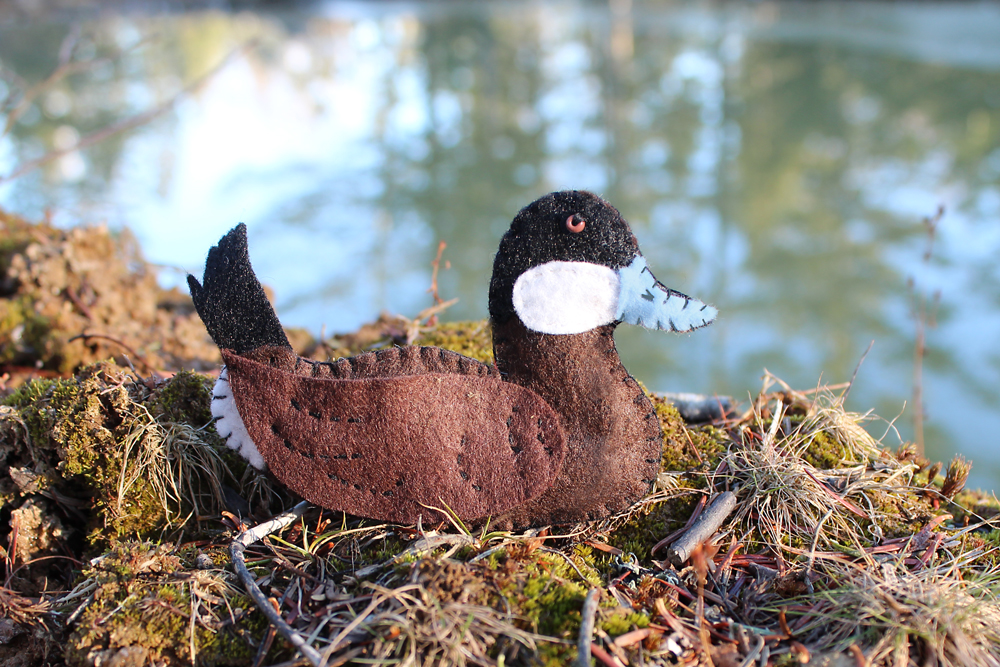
570 263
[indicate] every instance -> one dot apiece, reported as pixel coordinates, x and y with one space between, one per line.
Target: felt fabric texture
389 447
231 301
613 436
391 362
539 234
647 302
566 297
229 424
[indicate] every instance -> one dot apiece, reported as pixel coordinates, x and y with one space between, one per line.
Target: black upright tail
231 301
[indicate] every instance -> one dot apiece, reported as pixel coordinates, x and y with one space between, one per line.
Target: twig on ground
434 274
413 326
672 537
128 348
754 652
423 545
707 523
588 613
604 657
236 549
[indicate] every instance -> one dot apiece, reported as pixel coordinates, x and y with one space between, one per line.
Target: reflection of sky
240 125
304 147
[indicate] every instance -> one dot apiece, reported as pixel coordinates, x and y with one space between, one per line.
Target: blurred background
786 162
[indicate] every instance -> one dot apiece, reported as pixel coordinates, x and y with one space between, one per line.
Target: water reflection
774 159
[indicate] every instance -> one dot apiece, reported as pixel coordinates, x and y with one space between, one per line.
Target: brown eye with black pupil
575 226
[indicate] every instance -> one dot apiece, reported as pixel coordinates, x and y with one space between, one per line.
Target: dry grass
794 504
944 615
182 469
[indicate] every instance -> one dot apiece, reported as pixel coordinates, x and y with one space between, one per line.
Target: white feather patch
566 297
230 425
646 302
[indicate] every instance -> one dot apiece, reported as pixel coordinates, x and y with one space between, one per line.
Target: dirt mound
73 297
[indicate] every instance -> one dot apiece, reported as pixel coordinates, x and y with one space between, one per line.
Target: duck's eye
575 224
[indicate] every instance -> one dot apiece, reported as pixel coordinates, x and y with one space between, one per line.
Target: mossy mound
149 606
119 456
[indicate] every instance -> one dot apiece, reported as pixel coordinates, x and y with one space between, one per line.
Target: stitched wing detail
386 448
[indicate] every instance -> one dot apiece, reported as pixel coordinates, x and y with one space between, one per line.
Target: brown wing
386 448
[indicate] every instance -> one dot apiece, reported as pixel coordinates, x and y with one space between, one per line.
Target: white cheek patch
646 302
230 425
566 297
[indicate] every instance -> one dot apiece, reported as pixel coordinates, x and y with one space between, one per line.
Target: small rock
8 630
39 530
26 480
203 562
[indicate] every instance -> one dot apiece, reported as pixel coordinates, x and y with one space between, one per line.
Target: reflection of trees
793 209
749 178
488 70
49 62
94 83
800 144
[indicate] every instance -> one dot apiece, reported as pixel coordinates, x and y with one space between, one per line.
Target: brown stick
632 638
702 529
680 531
434 274
128 348
604 657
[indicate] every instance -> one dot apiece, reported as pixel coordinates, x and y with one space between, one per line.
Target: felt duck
557 431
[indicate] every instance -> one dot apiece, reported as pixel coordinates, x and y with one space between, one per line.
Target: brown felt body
613 436
383 435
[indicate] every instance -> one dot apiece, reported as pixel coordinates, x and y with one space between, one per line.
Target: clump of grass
790 502
948 614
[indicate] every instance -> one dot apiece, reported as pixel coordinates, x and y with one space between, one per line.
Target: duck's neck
568 371
613 434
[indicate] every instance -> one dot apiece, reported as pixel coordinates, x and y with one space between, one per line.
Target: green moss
28 400
989 543
473 339
23 331
618 621
102 432
901 512
546 592
140 601
185 398
974 506
648 526
686 449
824 451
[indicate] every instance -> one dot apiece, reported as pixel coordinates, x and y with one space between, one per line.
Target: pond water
776 160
